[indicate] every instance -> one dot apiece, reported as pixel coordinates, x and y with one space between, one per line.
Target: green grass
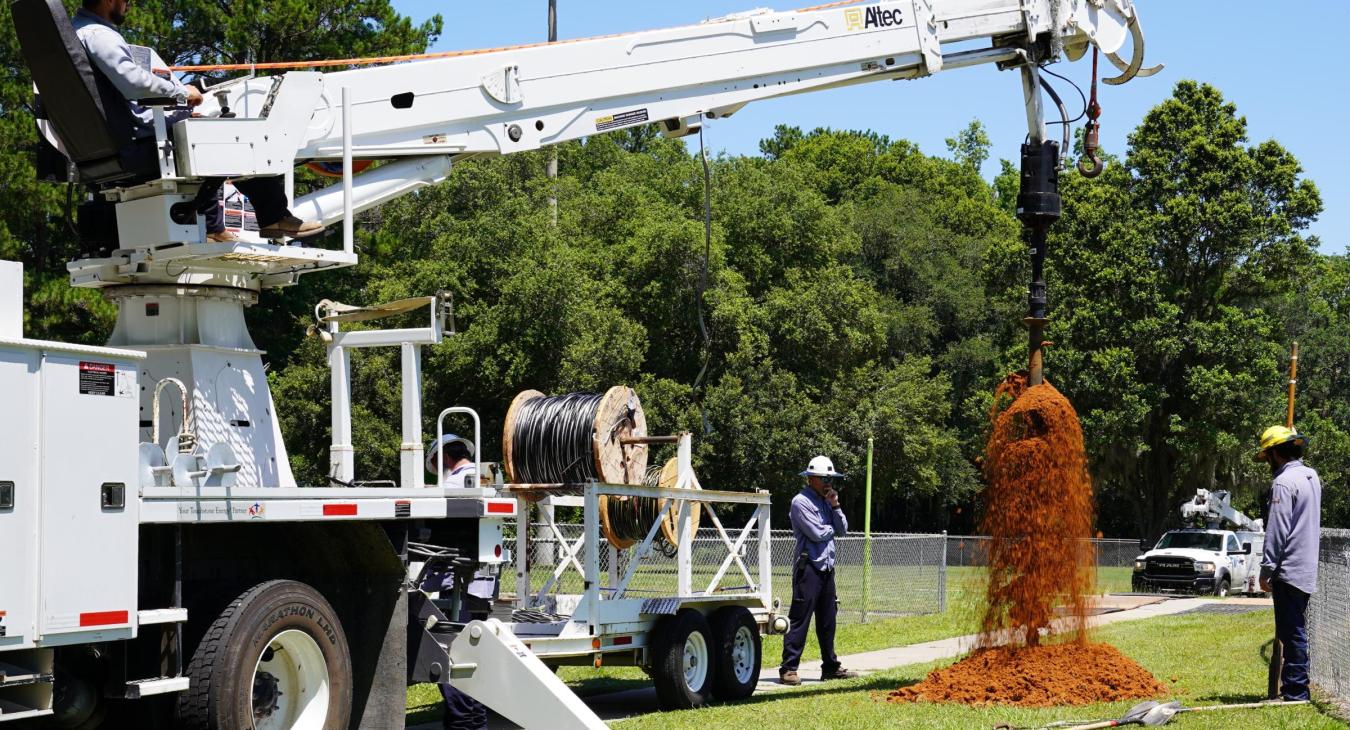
963 589
1213 659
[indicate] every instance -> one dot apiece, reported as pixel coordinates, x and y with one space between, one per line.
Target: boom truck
1219 551
162 563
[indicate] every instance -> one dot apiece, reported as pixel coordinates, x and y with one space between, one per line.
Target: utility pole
553 149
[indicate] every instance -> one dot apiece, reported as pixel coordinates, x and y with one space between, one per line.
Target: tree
1169 342
970 146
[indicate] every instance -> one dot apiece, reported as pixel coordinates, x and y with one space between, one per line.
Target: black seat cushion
91 117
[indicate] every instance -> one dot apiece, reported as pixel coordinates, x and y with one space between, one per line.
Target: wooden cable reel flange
507 428
670 525
618 417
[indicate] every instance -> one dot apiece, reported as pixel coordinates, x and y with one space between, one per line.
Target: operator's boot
291 227
789 678
836 673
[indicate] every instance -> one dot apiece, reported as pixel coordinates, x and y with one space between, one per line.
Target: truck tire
682 658
1222 587
276 658
736 653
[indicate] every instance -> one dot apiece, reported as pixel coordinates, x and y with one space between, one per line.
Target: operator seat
90 116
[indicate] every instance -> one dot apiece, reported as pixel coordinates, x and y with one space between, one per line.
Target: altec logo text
873 17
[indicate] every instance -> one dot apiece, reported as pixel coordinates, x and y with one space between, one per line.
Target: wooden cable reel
617 416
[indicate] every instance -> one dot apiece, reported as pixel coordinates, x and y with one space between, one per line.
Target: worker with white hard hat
457 470
816 521
456 457
1289 560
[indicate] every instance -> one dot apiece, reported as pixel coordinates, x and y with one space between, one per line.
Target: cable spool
667 477
577 437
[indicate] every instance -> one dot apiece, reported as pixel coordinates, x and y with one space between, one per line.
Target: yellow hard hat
1276 435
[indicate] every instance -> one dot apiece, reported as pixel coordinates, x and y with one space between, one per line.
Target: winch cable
703 282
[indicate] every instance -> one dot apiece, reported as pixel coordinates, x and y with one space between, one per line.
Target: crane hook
1090 165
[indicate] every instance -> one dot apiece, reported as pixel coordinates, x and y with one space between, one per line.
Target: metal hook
1090 165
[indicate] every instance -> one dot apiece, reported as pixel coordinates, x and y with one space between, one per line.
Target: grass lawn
1207 659
963 589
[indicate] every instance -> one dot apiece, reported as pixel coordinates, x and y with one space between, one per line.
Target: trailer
695 628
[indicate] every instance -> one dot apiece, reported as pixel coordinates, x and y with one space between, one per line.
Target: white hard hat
821 466
445 441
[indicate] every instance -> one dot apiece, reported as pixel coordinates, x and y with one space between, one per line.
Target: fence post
942 581
867 537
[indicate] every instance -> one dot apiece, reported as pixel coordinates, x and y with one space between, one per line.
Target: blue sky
1279 62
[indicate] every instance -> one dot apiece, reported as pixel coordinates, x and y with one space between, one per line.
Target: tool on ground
1153 714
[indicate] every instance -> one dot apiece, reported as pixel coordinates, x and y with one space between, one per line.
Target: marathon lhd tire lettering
224 662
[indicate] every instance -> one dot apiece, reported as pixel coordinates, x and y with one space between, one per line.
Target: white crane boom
425 113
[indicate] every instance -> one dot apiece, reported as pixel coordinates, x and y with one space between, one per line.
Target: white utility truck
163 567
1220 554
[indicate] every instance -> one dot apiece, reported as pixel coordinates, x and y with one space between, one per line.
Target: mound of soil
1036 676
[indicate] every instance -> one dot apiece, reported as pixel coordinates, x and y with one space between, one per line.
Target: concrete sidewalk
1111 610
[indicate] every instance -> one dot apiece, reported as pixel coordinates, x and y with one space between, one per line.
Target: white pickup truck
1201 561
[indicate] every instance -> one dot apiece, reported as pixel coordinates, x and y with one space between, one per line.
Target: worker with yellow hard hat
1289 561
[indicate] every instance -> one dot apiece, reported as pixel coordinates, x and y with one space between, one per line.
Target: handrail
477 443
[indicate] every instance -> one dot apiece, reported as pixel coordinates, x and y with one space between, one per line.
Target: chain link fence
898 574
1329 617
972 551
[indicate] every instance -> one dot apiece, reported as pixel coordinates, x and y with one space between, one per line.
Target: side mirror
1145 545
1246 548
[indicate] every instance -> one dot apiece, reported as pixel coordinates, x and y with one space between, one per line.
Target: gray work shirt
110 53
1294 527
815 525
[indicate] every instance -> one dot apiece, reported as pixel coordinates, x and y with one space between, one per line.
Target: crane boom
515 99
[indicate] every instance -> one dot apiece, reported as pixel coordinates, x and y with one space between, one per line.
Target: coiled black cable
552 441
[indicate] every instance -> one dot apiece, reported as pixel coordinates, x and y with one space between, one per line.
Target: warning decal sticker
96 378
623 119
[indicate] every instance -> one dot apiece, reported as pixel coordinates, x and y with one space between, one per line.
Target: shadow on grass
862 684
606 685
423 714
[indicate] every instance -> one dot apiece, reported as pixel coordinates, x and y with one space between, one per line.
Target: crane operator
96 25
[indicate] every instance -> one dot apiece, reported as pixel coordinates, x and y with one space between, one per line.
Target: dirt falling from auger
1038 513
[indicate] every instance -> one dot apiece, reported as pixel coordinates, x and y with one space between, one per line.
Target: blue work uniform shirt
110 53
1294 527
815 525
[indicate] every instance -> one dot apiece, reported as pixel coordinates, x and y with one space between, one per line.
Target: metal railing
907 574
1329 617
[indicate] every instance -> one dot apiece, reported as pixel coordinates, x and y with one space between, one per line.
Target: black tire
1222 587
222 668
735 668
672 637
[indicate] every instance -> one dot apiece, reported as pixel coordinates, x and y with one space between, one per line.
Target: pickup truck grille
1169 567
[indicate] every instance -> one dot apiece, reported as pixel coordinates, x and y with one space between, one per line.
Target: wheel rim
290 684
743 659
695 661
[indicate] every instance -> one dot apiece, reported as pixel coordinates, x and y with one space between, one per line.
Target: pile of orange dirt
1036 676
1038 513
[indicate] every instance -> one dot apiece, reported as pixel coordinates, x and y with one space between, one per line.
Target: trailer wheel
737 649
682 661
276 658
